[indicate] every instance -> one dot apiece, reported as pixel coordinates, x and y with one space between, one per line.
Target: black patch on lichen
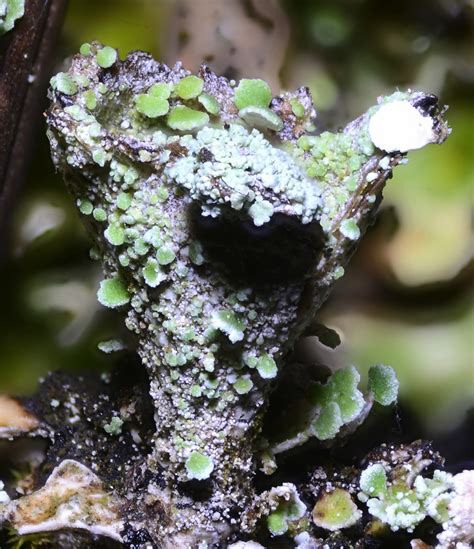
282 250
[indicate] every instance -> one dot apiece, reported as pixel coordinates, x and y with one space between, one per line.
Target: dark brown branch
25 58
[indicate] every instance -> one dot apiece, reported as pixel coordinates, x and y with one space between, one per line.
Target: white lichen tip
399 126
4 497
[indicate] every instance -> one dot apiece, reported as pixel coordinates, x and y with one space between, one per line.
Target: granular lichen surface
214 210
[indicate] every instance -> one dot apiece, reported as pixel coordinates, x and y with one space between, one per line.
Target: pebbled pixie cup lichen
221 222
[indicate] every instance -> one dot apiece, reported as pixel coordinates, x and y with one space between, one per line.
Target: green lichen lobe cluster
10 11
404 502
144 147
238 146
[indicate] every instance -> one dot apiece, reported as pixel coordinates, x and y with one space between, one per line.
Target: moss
152 273
196 253
85 207
124 200
111 346
165 256
106 57
196 391
99 156
261 212
373 480
252 93
342 388
113 292
277 523
297 108
329 422
289 509
404 503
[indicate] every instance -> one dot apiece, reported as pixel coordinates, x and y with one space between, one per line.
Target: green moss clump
85 206
85 49
153 274
297 108
90 99
115 234
405 502
114 427
340 398
261 212
373 480
290 509
165 256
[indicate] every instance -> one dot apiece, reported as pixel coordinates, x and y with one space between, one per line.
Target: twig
25 59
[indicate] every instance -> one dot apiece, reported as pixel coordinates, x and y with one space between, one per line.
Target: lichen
4 497
286 508
335 510
458 527
252 93
106 57
10 12
114 427
73 497
199 466
113 293
404 503
383 384
214 214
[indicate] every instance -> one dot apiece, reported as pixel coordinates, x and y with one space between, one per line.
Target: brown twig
25 57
